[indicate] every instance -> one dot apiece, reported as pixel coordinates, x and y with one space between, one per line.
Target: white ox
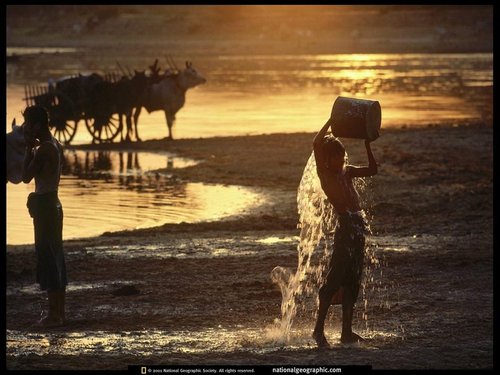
15 153
169 94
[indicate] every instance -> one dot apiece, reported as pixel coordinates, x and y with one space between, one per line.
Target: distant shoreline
253 30
15 56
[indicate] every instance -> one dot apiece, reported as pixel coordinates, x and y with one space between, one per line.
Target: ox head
191 77
140 81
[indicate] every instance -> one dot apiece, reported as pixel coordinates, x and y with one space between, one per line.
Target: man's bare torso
340 190
47 179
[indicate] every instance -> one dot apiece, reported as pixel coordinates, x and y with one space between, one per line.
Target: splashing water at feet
317 222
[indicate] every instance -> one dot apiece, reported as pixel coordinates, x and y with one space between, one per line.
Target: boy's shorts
346 264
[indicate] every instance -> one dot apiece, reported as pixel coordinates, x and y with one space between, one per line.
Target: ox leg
120 127
100 133
136 120
129 126
170 123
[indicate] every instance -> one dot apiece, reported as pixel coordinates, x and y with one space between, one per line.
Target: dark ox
169 94
128 94
120 97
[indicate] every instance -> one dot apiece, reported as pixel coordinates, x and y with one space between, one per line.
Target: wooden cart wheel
63 117
103 128
64 131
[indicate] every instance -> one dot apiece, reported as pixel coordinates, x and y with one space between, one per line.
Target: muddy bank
428 177
202 293
219 309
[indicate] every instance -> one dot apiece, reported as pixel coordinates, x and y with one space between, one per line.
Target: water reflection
111 190
89 164
126 168
381 73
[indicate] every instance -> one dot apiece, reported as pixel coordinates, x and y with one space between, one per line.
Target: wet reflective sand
222 338
138 343
191 325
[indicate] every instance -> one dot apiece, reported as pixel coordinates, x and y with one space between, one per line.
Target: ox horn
121 68
169 64
173 63
155 69
130 75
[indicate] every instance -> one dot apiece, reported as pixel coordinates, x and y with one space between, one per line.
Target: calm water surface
295 93
109 191
243 95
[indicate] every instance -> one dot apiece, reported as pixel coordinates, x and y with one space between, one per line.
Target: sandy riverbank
201 293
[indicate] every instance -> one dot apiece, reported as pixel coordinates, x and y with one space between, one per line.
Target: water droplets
317 222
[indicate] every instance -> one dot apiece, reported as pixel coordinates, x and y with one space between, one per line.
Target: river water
258 94
112 190
243 95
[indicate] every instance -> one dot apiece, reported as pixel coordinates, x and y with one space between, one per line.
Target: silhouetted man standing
43 162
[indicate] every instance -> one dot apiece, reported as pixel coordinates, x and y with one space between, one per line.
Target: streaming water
317 222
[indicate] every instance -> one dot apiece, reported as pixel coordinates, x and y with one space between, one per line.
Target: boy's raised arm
372 168
319 154
318 139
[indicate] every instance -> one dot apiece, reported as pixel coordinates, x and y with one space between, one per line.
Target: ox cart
71 100
103 101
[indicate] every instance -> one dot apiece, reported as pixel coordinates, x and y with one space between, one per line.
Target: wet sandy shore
202 293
